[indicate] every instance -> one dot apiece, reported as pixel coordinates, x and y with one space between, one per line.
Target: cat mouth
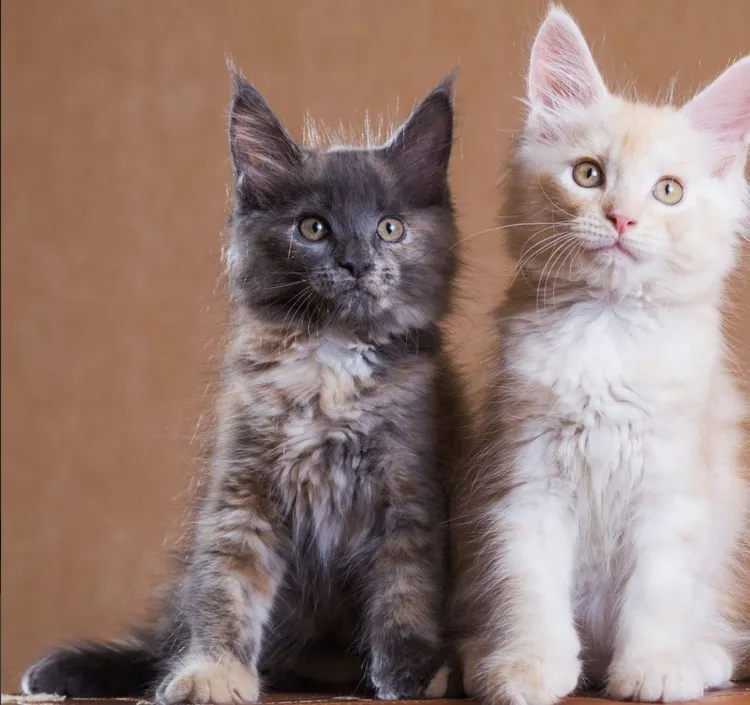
360 290
615 247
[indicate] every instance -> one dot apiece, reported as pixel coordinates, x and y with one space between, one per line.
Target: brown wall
114 177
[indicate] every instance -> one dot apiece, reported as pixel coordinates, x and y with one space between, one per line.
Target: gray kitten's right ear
421 147
264 155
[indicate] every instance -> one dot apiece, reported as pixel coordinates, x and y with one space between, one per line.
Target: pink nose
621 222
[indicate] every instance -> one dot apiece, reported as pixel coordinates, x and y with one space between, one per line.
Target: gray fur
322 530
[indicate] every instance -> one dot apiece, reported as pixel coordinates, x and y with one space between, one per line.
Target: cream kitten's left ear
562 71
723 110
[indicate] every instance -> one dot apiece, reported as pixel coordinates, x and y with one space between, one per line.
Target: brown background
114 177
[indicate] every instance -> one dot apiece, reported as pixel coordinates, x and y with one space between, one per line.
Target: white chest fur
345 358
614 379
320 427
618 365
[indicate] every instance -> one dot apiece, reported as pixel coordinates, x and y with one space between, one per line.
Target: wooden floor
739 695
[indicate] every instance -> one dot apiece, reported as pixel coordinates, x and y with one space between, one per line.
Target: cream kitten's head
627 197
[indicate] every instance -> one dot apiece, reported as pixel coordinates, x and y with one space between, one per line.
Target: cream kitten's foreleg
665 647
532 655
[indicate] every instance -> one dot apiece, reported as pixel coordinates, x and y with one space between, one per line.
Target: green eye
313 229
588 174
668 190
390 229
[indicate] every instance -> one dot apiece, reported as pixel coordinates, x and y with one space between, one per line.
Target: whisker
540 248
301 296
275 287
569 250
552 203
548 268
496 229
536 250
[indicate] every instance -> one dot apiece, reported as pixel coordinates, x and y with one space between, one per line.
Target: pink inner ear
724 107
562 70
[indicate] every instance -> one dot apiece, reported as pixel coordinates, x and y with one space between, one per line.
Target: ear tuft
421 148
263 153
447 86
562 71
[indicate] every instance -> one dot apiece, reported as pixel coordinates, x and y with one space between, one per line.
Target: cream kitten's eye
313 229
668 190
390 229
588 174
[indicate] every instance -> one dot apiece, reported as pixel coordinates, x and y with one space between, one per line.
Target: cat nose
621 222
356 268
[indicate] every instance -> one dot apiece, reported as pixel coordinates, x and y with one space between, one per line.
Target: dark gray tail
90 670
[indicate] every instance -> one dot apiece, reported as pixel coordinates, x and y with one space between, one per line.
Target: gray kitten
321 535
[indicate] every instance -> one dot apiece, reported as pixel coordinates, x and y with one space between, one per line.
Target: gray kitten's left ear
421 147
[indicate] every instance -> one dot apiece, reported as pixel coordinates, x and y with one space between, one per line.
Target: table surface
739 695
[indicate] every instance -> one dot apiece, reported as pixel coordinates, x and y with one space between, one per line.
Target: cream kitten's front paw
438 686
227 683
652 677
533 678
715 664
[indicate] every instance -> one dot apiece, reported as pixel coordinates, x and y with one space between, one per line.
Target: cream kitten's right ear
562 71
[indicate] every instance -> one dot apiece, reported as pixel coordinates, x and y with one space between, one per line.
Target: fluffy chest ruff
314 409
608 389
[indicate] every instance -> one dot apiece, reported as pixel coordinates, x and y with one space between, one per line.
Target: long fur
600 523
320 547
87 670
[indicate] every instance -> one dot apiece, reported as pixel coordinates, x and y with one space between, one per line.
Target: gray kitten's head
355 238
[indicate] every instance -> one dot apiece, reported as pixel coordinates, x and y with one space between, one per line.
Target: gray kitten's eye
668 191
588 174
390 229
313 229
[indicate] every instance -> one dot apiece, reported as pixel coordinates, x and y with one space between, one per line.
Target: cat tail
96 670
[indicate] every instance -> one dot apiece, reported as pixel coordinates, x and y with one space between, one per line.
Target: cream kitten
607 497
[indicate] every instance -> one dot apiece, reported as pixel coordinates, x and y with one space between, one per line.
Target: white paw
652 677
226 683
438 686
533 678
714 663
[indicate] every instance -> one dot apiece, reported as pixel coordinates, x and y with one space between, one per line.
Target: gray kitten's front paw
205 681
409 669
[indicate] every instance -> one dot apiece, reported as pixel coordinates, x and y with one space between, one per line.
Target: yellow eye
390 229
313 229
668 190
588 174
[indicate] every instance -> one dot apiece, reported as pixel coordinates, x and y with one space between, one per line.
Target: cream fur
607 492
221 681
